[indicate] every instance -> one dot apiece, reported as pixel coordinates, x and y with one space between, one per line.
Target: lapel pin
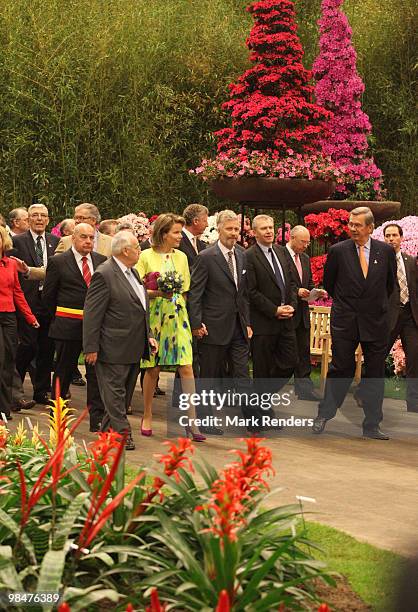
375 261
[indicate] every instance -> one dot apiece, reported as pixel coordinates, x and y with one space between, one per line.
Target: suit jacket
214 298
104 244
360 305
187 248
265 294
302 314
412 280
24 248
115 324
65 286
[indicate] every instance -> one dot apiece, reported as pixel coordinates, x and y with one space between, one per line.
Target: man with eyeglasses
34 248
88 213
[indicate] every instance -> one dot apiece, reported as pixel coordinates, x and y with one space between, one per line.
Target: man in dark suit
272 292
68 276
116 333
360 275
219 306
35 247
403 312
300 267
196 218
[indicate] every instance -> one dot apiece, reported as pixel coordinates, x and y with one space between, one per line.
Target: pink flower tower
339 89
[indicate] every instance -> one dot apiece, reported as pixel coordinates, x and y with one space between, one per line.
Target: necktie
278 275
86 271
39 252
194 243
363 261
231 264
403 283
136 287
298 265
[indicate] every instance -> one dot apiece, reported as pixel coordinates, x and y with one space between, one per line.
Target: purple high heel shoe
196 437
145 432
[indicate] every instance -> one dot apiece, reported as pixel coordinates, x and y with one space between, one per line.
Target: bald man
68 277
300 267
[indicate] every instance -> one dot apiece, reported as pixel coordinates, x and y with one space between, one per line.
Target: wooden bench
320 343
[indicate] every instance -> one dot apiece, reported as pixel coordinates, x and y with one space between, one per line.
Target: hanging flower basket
381 210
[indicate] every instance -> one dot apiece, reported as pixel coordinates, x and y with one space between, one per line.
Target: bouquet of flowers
170 282
150 280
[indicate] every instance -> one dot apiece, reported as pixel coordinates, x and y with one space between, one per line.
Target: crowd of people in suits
94 292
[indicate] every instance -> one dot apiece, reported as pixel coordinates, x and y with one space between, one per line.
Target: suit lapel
262 259
239 259
126 283
374 259
356 262
31 248
188 245
72 264
50 250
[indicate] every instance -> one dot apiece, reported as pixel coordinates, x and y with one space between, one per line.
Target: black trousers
302 373
341 373
36 344
67 353
274 357
408 331
8 345
117 384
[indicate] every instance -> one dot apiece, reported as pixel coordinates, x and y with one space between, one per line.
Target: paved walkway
366 488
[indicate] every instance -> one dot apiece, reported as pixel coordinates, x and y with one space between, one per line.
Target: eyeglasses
38 215
80 218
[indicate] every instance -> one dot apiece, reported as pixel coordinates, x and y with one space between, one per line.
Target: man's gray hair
14 215
193 211
364 210
125 225
258 218
92 208
298 229
226 215
40 205
121 241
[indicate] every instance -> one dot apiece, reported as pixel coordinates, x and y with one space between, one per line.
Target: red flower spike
324 608
156 605
64 607
223 602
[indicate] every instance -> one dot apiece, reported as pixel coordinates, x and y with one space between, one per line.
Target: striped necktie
403 283
86 271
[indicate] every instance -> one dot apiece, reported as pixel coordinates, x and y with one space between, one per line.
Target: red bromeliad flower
235 488
97 515
156 605
64 607
317 267
174 460
223 602
330 226
104 451
324 608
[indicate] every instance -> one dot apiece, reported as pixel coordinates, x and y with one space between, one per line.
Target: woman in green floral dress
168 313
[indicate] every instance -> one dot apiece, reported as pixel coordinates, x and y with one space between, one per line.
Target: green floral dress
168 318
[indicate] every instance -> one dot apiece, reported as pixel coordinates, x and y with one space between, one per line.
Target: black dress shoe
319 425
23 405
78 382
129 444
158 391
211 431
42 399
375 434
95 428
310 396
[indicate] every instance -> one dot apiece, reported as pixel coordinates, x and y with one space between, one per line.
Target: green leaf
80 599
50 575
66 524
8 522
9 578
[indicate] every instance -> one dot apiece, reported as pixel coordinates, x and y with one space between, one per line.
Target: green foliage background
112 101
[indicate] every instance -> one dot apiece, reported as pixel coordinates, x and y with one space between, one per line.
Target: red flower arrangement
328 227
150 280
271 105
